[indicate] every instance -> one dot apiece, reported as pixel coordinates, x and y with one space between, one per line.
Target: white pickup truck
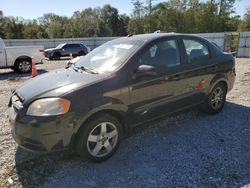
19 58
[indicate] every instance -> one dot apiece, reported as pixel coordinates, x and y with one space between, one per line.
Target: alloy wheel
24 66
102 139
217 98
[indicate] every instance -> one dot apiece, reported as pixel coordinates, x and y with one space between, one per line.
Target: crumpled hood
56 83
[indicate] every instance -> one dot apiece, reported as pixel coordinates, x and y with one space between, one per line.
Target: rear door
199 68
156 95
76 49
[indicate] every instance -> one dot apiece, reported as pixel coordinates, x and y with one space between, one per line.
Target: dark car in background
62 50
92 104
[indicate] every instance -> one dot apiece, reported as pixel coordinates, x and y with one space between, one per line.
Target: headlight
49 107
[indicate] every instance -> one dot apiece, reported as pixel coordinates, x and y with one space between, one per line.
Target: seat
196 54
167 56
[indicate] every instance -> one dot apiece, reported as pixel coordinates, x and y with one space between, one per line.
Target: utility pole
150 14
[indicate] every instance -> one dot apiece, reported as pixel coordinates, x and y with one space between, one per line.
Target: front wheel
99 138
215 100
56 56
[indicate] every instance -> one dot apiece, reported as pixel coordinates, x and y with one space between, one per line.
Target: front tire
215 100
99 138
56 56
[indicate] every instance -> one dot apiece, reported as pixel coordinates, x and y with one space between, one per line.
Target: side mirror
145 71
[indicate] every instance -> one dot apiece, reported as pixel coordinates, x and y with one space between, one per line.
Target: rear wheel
99 138
23 65
216 99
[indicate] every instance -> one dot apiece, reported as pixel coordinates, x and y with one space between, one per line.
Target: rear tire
215 100
23 65
99 138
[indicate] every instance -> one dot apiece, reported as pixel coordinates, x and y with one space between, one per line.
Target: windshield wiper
86 69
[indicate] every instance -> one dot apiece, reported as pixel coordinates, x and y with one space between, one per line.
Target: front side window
75 45
67 46
196 51
60 46
164 53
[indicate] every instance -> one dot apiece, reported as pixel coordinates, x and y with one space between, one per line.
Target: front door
152 95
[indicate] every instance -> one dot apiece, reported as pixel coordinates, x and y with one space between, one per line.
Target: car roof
152 36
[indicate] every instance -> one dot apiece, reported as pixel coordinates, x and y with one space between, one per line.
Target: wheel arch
25 57
119 115
217 80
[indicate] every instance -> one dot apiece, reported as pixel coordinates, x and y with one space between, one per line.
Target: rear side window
164 53
196 51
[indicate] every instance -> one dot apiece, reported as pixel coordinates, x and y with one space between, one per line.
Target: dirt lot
191 149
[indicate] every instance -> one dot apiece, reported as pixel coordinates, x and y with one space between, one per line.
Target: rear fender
218 78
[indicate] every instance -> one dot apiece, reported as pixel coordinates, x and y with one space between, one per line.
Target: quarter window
164 53
196 51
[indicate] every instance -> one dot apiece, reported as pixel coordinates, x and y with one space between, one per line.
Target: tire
99 138
215 100
56 56
23 65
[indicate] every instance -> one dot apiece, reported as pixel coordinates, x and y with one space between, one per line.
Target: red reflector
201 84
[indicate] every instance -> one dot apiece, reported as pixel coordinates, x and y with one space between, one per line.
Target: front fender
102 105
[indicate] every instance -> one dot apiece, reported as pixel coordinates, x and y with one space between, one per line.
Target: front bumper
41 134
48 54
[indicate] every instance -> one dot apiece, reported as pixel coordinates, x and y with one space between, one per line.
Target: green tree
136 22
245 24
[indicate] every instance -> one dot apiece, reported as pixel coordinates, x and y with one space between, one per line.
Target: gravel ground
190 149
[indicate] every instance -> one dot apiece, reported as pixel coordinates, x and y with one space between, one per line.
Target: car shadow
189 149
14 76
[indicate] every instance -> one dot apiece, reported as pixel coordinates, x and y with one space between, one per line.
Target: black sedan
90 105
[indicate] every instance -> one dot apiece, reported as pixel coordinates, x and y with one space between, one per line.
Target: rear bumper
231 80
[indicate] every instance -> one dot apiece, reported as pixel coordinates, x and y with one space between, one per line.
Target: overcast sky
30 9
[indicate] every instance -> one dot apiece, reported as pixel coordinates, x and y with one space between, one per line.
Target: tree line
184 16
